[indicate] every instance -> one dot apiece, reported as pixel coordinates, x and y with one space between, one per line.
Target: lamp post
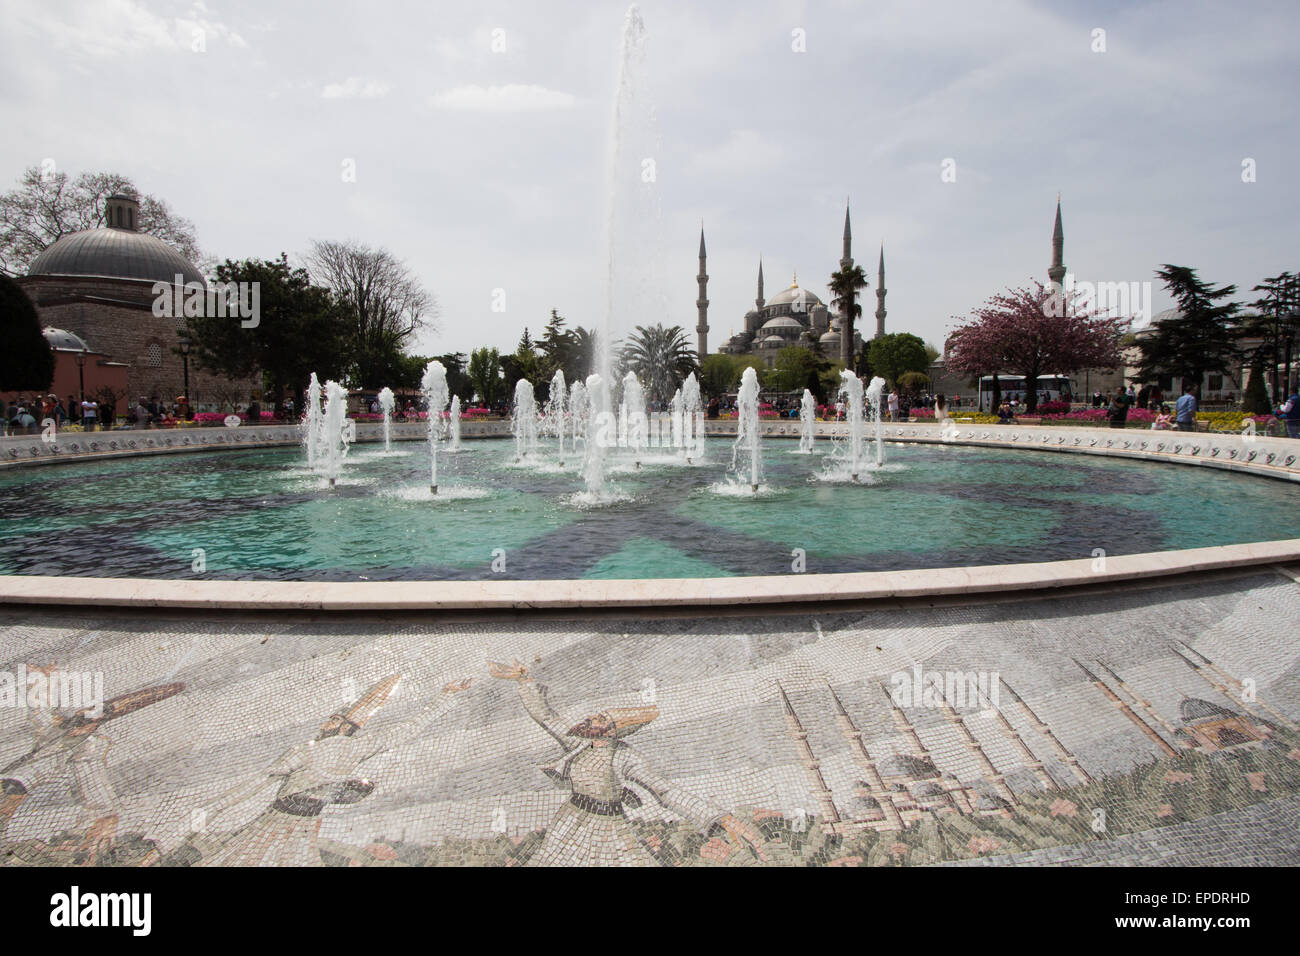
81 372
185 362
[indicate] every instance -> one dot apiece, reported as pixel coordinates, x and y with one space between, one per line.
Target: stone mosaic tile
1129 728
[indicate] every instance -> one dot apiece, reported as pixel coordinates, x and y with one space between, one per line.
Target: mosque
794 316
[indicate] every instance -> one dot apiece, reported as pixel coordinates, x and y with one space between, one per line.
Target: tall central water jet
524 423
386 406
807 416
747 438
636 276
851 389
578 403
433 386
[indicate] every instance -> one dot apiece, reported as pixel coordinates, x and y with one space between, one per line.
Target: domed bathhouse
100 286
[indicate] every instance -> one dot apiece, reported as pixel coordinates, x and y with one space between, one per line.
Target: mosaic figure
603 776
74 749
314 775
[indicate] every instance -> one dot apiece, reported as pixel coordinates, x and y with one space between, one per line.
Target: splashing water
632 419
692 418
599 425
851 389
747 436
578 403
386 406
335 429
433 387
524 423
455 423
312 422
555 409
875 394
807 417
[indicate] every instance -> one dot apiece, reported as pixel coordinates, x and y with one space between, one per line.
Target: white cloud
511 97
113 27
354 87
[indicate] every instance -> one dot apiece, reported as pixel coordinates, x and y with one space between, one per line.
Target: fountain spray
875 395
386 406
747 437
633 411
807 415
335 433
599 420
455 423
555 409
524 423
851 389
433 386
312 422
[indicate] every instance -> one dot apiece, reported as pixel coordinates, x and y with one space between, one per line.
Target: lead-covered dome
116 251
63 339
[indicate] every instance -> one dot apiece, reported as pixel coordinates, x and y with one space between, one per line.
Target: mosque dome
788 297
117 251
62 339
773 341
830 338
1194 708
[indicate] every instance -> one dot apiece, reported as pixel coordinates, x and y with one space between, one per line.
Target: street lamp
185 361
81 372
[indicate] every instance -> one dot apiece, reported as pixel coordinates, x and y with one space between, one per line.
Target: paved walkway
1139 726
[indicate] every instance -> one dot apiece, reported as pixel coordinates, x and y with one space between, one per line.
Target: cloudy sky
480 135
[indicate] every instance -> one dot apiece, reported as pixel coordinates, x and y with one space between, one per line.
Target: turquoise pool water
261 515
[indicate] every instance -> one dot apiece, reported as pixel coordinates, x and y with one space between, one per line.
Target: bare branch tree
387 301
45 208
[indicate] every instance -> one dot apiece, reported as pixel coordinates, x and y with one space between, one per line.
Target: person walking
1185 410
89 414
893 404
1118 411
1289 412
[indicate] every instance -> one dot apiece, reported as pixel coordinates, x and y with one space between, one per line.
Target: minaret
1057 271
702 304
1128 712
880 295
760 301
846 259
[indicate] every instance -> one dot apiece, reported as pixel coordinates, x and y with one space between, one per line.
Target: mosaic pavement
1134 727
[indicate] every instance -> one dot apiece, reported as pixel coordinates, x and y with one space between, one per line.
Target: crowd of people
25 415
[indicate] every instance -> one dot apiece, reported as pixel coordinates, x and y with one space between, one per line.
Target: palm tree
660 357
584 353
844 296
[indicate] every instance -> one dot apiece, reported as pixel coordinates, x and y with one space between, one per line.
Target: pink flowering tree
1034 331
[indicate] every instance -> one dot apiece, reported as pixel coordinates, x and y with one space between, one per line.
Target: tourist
940 409
1289 412
288 409
839 411
893 404
1118 410
1144 396
1157 396
141 414
1186 409
1164 420
89 414
1131 396
254 412
1005 414
1097 399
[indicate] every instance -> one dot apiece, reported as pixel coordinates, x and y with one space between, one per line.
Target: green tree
720 373
661 357
796 367
1276 323
26 361
894 355
845 285
559 350
1255 400
302 328
485 375
1201 338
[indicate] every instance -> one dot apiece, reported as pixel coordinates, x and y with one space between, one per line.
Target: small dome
62 339
906 765
773 341
115 254
830 338
782 323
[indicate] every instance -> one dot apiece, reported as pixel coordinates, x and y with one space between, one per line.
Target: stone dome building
99 286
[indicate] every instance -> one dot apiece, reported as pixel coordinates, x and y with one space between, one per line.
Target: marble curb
991 580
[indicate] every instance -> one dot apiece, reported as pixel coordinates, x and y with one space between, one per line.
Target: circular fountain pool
261 515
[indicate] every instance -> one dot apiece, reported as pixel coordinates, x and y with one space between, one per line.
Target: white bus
1051 388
